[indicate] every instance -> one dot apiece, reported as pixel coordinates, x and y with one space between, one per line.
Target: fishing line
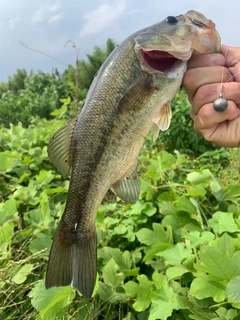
221 104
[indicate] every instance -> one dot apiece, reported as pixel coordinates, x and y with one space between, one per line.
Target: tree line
25 96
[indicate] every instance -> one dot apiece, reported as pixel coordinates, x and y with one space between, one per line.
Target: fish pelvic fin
73 261
128 188
162 120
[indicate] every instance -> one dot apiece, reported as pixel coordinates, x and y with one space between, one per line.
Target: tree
88 69
40 96
15 82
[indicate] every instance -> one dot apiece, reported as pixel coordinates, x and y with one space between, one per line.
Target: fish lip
161 61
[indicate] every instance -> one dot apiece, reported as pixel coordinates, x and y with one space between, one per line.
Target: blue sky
48 25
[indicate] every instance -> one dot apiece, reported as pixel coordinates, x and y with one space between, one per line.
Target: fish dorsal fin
137 96
162 120
128 188
59 148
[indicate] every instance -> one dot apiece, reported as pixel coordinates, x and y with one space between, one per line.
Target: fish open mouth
159 60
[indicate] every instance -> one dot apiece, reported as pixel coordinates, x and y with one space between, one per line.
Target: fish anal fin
73 261
162 120
128 188
137 96
59 148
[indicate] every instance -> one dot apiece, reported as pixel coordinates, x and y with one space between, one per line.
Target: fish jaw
166 47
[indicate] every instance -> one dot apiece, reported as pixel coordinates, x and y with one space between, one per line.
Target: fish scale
129 97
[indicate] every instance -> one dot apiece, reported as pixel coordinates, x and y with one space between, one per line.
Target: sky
46 26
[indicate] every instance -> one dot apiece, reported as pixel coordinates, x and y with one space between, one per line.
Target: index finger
206 60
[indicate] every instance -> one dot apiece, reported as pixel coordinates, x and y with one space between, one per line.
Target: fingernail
217 59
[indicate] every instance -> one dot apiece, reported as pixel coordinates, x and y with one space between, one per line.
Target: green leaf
184 204
51 302
198 191
176 254
41 242
159 279
21 275
176 272
6 232
196 238
141 291
209 286
150 237
220 264
163 303
7 209
223 222
226 314
225 244
233 292
5 161
167 208
200 178
166 160
111 275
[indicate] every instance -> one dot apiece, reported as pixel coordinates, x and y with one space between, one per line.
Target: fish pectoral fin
73 261
59 148
128 188
162 120
137 96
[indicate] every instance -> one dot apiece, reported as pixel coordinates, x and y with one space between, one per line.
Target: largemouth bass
129 97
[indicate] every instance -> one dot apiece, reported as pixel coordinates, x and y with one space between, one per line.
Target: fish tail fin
73 261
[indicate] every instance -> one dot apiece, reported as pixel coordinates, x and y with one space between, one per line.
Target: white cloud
48 13
99 19
12 22
55 18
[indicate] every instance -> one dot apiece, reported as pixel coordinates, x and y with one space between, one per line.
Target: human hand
206 76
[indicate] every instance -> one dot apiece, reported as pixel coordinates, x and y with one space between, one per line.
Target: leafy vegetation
172 254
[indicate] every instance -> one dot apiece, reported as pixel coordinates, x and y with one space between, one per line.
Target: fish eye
198 23
172 20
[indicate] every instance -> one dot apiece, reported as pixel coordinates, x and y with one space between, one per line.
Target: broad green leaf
7 209
141 291
159 279
41 242
196 238
150 252
176 272
44 176
5 161
223 222
184 204
226 314
150 237
149 209
111 275
163 303
166 159
120 229
51 302
200 178
233 292
6 232
105 291
167 208
21 275
198 191
232 190
209 286
175 255
217 263
123 259
225 244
